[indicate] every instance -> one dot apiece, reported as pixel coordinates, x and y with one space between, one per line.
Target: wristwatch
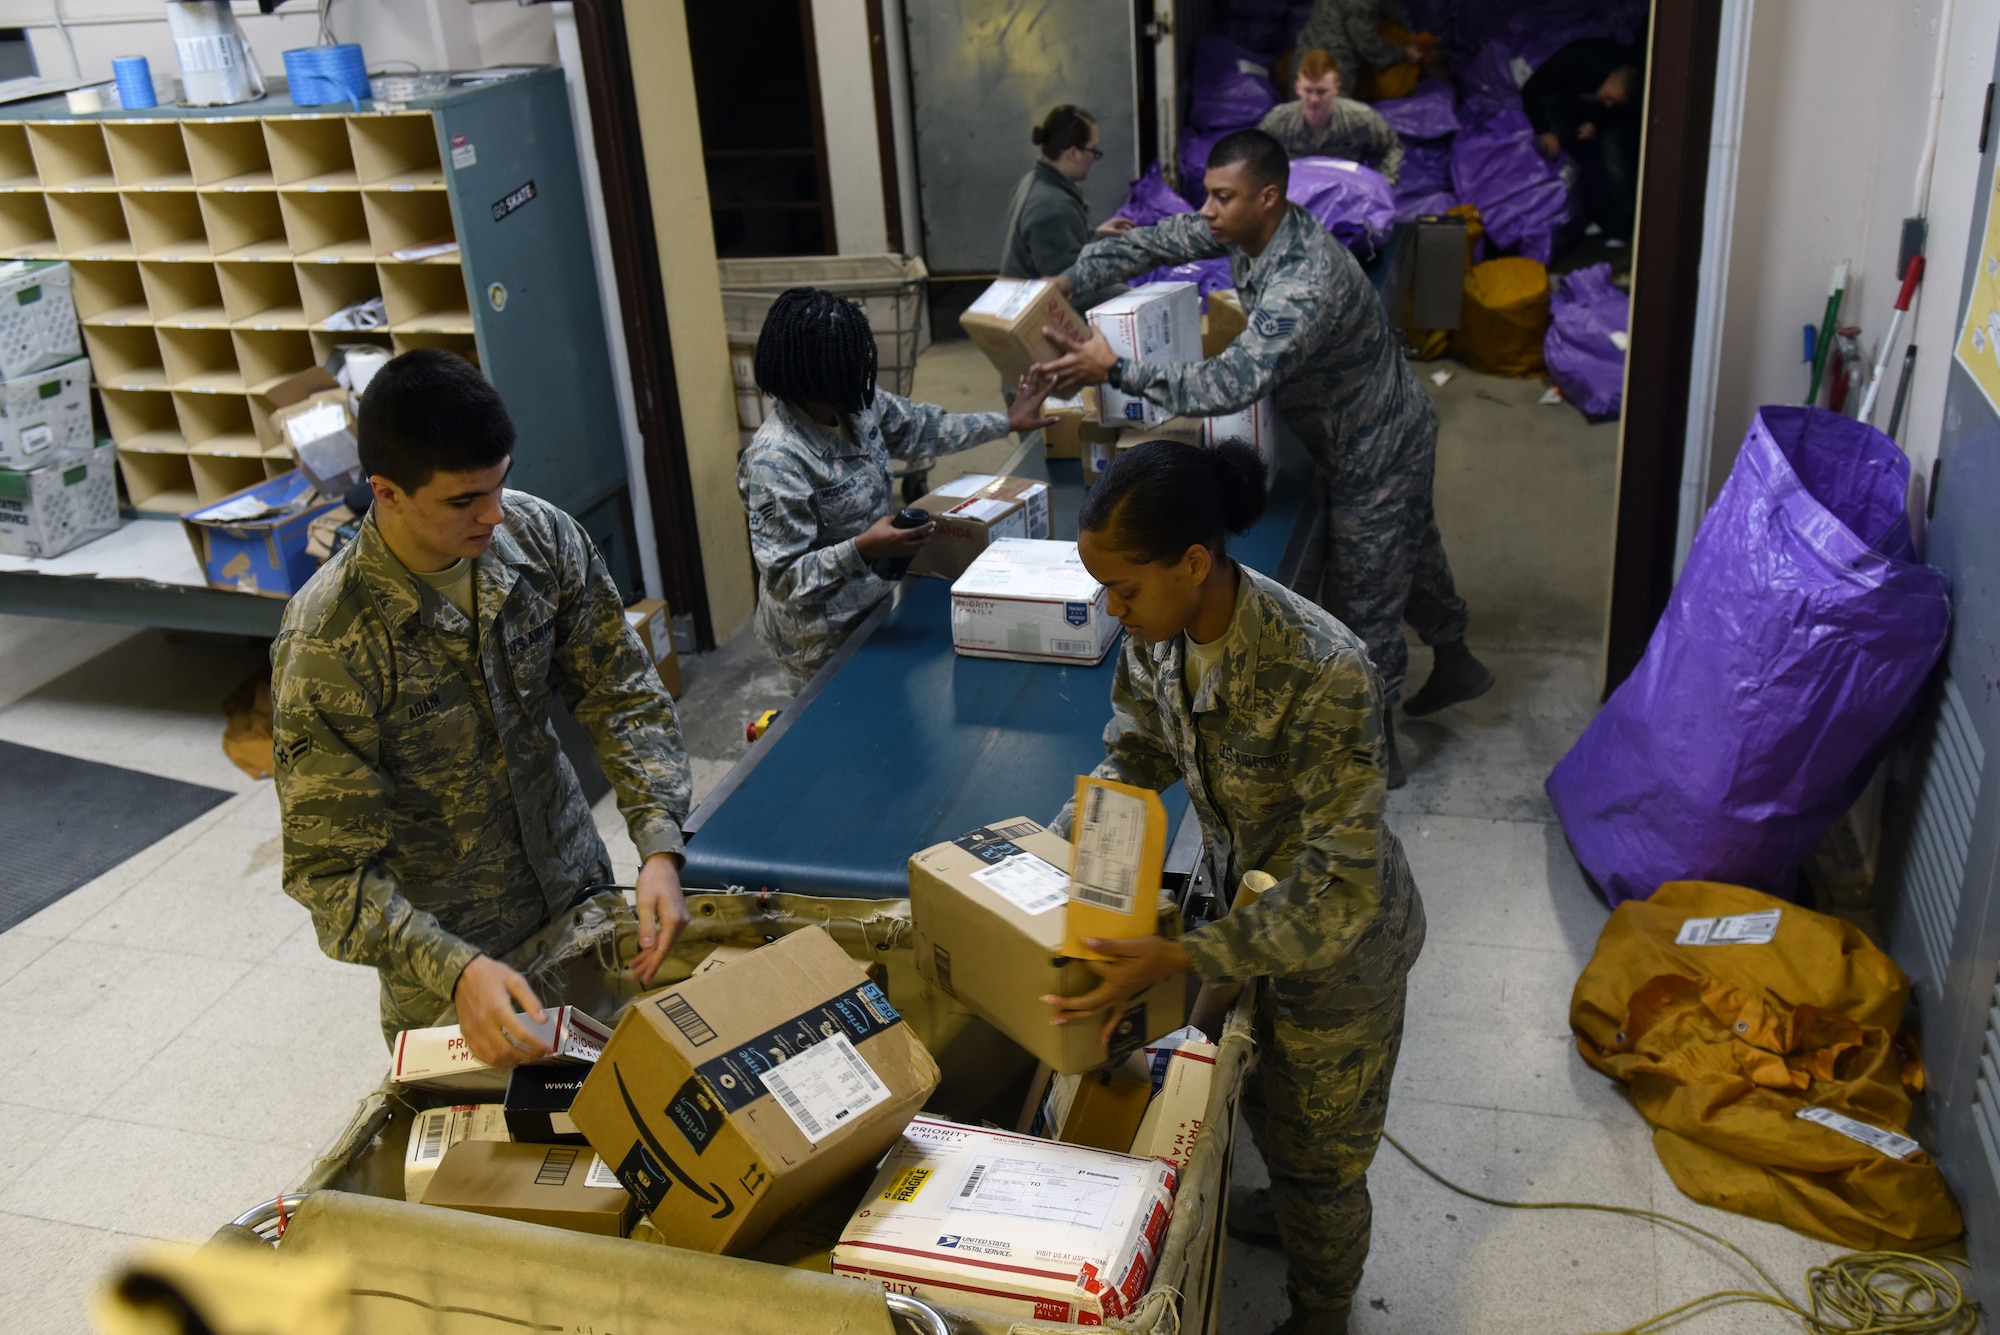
1115 377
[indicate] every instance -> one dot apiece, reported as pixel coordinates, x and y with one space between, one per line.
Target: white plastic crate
37 316
45 415
48 510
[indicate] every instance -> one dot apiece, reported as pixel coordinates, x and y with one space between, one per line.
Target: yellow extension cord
1861 1293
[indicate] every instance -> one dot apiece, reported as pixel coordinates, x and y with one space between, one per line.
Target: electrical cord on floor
1861 1293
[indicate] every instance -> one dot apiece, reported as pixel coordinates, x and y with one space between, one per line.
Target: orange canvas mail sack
1723 1045
1506 318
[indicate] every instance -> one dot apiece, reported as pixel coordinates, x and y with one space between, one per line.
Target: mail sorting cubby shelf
125 356
310 151
244 224
184 293
397 150
327 289
223 447
25 229
261 294
17 160
228 153
428 297
200 359
158 483
109 292
165 224
465 345
267 356
400 219
325 225
90 225
325 342
148 155
70 155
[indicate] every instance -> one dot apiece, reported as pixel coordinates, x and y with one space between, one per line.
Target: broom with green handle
1827 329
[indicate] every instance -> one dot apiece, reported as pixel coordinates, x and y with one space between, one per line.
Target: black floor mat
64 822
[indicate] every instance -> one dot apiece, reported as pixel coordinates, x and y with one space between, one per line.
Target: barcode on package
972 1183
1018 830
1069 646
825 1087
685 1018
1891 1143
1108 842
1742 929
433 1142
600 1174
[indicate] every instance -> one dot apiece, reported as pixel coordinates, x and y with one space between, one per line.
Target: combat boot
1253 1219
1456 676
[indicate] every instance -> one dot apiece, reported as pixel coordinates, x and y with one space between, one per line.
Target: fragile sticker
907 1183
1742 929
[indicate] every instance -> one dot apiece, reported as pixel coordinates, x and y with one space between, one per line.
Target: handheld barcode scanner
1118 852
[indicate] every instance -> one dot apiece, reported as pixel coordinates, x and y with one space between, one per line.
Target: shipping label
1891 1143
1742 929
1110 834
738 1077
1027 882
826 1087
1047 1190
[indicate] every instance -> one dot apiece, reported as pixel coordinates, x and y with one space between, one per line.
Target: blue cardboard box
264 554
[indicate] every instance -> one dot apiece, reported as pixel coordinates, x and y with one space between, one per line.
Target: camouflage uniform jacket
809 490
1350 32
1355 131
1281 750
1316 340
429 815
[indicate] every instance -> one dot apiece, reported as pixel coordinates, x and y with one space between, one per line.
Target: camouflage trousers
576 960
1385 564
1327 1046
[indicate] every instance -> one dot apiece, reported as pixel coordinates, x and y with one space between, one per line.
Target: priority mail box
440 1059
47 509
1221 323
969 1217
1255 426
1160 322
563 1186
970 512
1033 600
988 910
45 415
727 1102
1006 324
1182 1068
436 1130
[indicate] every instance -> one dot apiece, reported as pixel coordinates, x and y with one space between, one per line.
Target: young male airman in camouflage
1323 124
1269 710
1350 32
816 482
431 822
1318 343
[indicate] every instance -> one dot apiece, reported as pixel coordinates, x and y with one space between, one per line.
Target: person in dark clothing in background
1048 220
1587 98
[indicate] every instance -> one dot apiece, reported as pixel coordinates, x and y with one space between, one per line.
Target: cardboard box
1032 600
988 910
1222 322
438 1059
1160 322
38 325
436 1130
1102 1109
969 1217
722 955
1256 426
972 511
1184 430
254 541
653 621
318 427
64 503
1182 1067
1006 324
45 415
1076 424
1099 451
538 1101
729 1101
563 1186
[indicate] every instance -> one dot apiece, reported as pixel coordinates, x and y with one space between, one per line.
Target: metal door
985 72
1946 917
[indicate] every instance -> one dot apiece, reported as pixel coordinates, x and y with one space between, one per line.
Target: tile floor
182 1048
